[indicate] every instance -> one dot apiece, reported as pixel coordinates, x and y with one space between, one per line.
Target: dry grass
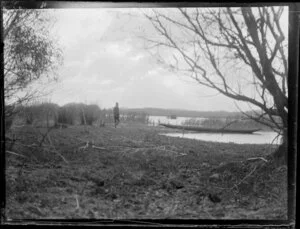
134 173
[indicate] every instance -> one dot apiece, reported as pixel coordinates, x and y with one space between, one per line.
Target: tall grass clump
192 122
139 117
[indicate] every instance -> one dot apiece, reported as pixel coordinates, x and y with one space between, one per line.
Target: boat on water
210 130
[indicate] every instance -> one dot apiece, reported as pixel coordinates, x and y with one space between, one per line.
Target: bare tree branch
220 39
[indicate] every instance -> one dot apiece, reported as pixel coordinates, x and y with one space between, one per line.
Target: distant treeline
183 113
50 114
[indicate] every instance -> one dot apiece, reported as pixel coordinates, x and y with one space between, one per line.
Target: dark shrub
41 113
69 113
89 114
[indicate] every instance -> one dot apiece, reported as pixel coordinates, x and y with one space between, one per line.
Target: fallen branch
128 147
7 151
85 146
257 158
77 201
88 145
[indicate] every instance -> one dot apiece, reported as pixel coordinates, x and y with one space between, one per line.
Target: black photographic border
293 85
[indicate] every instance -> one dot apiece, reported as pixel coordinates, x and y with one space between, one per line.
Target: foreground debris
133 173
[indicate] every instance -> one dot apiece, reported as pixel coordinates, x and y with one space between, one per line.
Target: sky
105 61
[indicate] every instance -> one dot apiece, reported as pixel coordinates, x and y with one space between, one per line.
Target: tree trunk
280 156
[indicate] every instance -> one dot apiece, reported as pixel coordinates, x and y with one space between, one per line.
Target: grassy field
132 172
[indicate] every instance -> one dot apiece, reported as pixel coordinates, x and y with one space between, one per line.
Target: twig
18 126
275 138
33 145
257 158
88 144
15 153
45 135
59 154
97 147
85 146
128 147
56 150
236 185
77 202
228 124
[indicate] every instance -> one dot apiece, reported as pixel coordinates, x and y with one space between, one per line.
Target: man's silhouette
116 115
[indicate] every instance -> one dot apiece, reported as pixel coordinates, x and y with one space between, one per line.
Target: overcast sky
105 62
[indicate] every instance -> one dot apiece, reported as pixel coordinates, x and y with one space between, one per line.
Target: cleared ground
133 173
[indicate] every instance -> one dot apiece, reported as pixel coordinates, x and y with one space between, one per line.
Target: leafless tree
240 52
29 53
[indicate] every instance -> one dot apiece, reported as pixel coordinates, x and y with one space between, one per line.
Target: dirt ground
132 172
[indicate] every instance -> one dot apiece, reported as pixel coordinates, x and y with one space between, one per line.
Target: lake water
256 138
260 137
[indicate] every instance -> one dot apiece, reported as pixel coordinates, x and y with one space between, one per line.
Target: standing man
116 115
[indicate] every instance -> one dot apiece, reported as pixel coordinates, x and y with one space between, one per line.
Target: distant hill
180 112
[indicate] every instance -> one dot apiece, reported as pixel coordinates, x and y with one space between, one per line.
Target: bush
78 113
89 114
70 113
40 113
28 115
49 114
66 116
